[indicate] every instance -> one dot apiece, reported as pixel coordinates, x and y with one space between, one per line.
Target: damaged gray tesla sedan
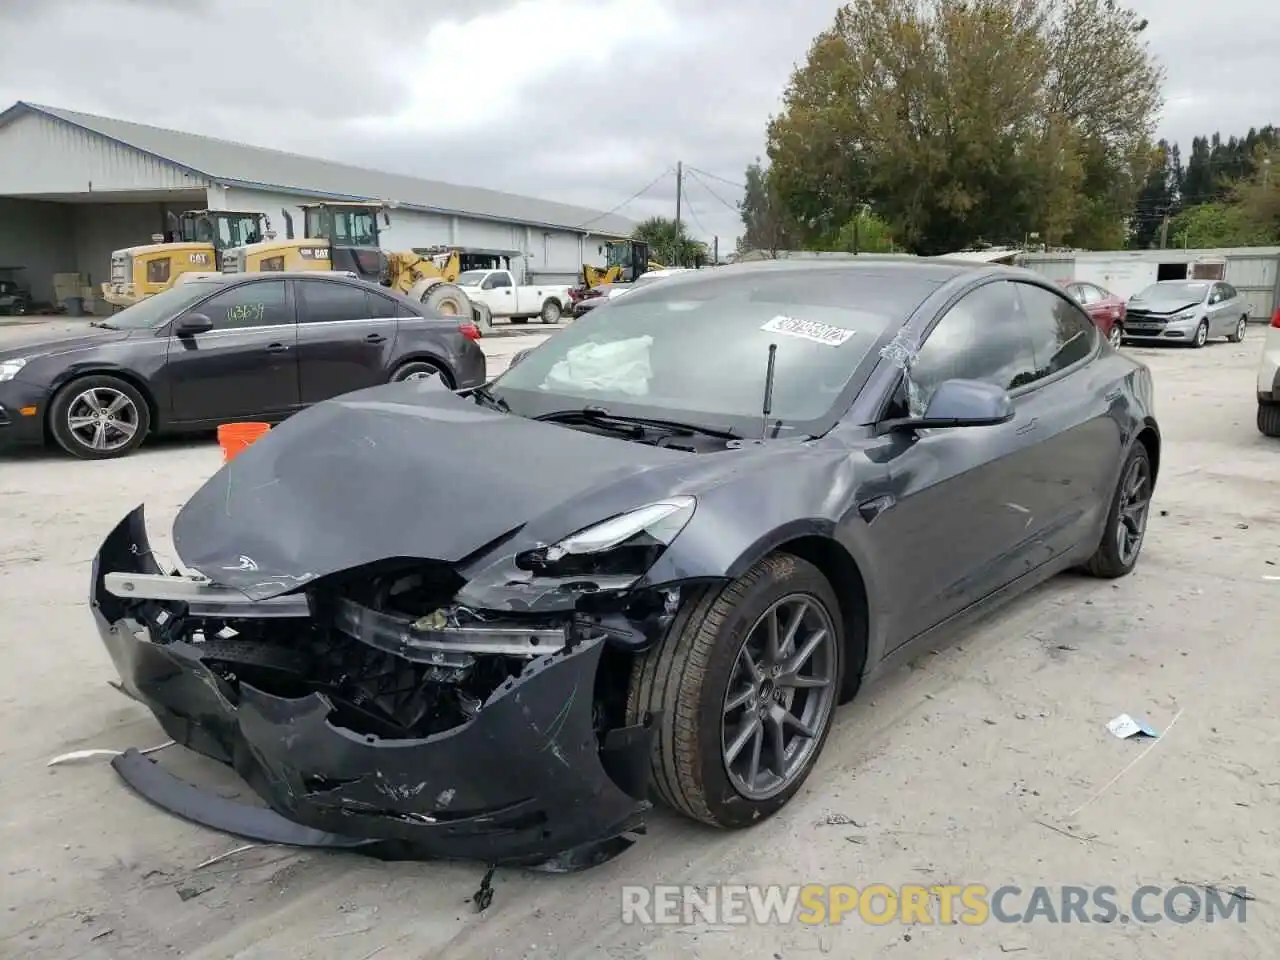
649 560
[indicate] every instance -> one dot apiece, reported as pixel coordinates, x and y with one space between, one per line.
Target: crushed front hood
403 470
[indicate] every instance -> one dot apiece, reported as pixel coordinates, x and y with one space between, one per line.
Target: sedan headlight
9 368
628 543
1184 315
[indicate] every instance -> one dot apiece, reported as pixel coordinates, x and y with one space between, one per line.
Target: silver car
1187 311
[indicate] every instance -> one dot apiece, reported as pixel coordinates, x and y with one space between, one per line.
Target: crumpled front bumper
526 780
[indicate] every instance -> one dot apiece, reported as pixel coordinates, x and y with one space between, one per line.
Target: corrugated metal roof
239 164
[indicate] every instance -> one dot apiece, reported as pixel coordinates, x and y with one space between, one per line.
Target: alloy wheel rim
1202 333
103 419
1115 336
420 375
1135 505
1240 329
780 696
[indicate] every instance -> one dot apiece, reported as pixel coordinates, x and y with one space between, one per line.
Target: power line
694 215
635 196
705 186
713 176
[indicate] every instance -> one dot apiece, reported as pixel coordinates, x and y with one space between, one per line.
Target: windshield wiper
602 417
488 396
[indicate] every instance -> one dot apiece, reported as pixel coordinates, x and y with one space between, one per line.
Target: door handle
375 338
1028 426
277 348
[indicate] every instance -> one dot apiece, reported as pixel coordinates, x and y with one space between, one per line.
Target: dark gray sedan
220 349
650 559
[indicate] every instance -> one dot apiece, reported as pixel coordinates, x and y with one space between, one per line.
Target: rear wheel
1236 335
1126 528
421 370
746 680
1269 419
550 312
99 417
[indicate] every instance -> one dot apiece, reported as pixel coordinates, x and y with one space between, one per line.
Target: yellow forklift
195 243
346 237
624 261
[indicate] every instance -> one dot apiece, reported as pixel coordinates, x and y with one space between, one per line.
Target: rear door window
326 301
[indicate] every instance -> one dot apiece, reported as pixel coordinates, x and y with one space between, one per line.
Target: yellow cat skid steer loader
195 244
625 260
345 237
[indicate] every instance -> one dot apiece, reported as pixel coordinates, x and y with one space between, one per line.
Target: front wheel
99 417
1202 335
1116 336
746 681
1126 527
1269 419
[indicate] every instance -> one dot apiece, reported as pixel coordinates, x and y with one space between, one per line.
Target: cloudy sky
581 101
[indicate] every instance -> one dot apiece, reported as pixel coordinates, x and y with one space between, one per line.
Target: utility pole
1164 232
679 197
715 251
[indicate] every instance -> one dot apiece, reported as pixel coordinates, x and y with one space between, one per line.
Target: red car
1106 309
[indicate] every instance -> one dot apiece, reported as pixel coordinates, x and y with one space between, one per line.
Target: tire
448 300
1269 419
686 678
421 370
19 308
1237 335
1202 335
99 392
1116 336
551 312
1110 561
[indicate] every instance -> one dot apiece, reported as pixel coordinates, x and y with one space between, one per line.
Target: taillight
469 330
1275 319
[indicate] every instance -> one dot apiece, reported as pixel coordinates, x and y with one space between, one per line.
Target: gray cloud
534 98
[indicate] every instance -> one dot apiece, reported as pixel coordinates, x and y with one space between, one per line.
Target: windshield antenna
768 392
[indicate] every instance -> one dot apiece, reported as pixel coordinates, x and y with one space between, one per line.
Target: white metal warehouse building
74 187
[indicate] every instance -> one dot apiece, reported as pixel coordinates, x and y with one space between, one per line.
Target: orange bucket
235 437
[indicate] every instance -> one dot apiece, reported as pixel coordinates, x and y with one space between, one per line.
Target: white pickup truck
498 291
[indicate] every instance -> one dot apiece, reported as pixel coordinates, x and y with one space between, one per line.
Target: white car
1269 380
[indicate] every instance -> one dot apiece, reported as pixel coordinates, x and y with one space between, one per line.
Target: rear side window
322 301
380 307
1061 333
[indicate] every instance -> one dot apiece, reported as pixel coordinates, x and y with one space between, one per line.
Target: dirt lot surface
967 767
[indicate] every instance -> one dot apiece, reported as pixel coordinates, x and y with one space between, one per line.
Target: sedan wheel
781 693
745 681
420 370
98 418
1202 334
1238 333
1127 520
1116 336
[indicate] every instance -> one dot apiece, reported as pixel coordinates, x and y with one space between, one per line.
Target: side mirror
518 356
386 219
192 324
961 403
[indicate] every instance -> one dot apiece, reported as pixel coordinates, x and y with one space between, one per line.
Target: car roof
936 270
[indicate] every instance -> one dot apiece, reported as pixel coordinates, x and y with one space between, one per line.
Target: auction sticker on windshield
808 330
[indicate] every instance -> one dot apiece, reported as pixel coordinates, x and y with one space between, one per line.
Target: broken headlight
626 544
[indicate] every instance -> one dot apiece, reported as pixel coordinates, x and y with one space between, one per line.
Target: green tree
864 233
764 217
1216 225
670 246
969 118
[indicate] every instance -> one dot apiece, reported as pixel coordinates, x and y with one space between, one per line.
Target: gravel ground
965 767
